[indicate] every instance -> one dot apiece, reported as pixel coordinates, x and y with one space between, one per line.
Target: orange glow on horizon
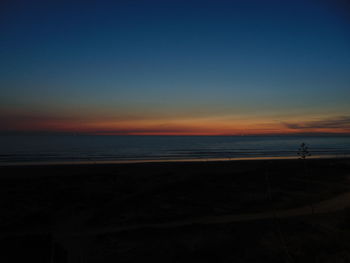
226 125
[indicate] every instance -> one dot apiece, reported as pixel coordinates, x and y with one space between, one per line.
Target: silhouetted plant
303 151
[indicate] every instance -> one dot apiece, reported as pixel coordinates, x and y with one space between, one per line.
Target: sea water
83 148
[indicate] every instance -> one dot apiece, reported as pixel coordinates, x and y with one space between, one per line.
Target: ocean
30 149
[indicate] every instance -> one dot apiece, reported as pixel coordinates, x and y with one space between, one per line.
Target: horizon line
9 133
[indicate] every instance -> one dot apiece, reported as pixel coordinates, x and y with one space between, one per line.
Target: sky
175 67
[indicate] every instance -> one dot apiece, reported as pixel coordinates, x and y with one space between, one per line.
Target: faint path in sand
337 203
74 228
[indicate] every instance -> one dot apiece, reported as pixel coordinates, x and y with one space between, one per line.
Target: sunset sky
175 67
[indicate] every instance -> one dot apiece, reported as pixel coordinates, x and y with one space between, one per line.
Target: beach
175 131
220 211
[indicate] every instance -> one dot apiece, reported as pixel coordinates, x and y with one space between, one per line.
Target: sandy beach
282 210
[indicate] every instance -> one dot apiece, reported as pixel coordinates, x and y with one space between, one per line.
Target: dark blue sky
277 61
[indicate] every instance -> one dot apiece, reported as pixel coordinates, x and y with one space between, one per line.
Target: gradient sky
175 67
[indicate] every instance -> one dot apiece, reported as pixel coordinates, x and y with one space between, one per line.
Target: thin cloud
342 122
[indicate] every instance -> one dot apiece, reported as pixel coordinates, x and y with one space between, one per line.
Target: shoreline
150 161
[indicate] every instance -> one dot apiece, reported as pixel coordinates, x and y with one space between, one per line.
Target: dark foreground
176 212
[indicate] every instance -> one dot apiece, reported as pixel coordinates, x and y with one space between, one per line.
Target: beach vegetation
303 151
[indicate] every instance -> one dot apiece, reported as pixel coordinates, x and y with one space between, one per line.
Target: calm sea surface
62 148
